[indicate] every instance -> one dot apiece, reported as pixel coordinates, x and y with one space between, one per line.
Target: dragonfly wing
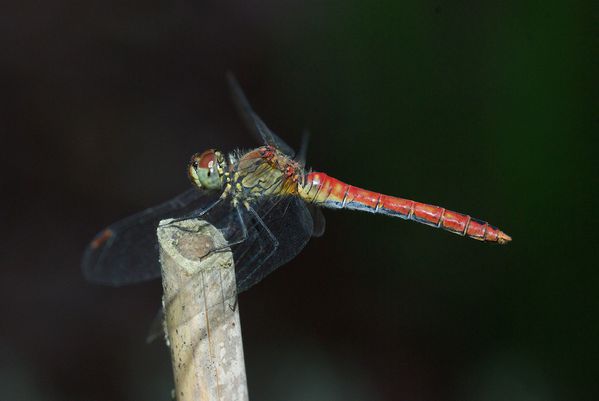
127 252
303 151
289 221
255 253
156 329
319 222
315 211
253 122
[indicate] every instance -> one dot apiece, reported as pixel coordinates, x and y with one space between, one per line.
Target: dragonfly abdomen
326 191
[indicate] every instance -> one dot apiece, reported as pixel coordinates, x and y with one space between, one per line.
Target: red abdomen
327 191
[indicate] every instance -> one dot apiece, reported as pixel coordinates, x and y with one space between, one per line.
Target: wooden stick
201 314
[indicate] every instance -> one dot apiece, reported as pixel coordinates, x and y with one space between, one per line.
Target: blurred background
487 108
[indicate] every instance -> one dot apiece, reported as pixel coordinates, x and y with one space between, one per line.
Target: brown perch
201 314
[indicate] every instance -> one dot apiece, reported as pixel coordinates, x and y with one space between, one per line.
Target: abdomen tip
503 238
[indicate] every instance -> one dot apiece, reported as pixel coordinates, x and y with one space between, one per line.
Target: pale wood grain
202 316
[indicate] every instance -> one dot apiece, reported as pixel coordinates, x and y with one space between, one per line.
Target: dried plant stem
201 313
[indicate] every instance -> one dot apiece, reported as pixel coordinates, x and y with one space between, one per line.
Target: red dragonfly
266 205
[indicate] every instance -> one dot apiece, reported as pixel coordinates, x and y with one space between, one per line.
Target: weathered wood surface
201 313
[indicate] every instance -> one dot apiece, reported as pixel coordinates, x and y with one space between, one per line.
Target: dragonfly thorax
263 172
207 170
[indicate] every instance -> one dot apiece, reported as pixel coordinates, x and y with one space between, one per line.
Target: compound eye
206 159
204 170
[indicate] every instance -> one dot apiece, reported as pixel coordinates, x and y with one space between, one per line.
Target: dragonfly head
206 170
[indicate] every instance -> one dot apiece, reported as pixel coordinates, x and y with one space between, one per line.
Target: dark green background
483 107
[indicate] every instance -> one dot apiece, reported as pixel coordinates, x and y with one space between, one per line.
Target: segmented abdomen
326 191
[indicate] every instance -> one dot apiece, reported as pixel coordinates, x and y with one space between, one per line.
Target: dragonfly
264 201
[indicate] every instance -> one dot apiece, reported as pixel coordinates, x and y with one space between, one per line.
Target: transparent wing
303 150
288 221
253 122
126 252
318 220
317 216
267 236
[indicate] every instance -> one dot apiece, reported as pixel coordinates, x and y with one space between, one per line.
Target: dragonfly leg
233 242
274 239
230 242
245 282
196 214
